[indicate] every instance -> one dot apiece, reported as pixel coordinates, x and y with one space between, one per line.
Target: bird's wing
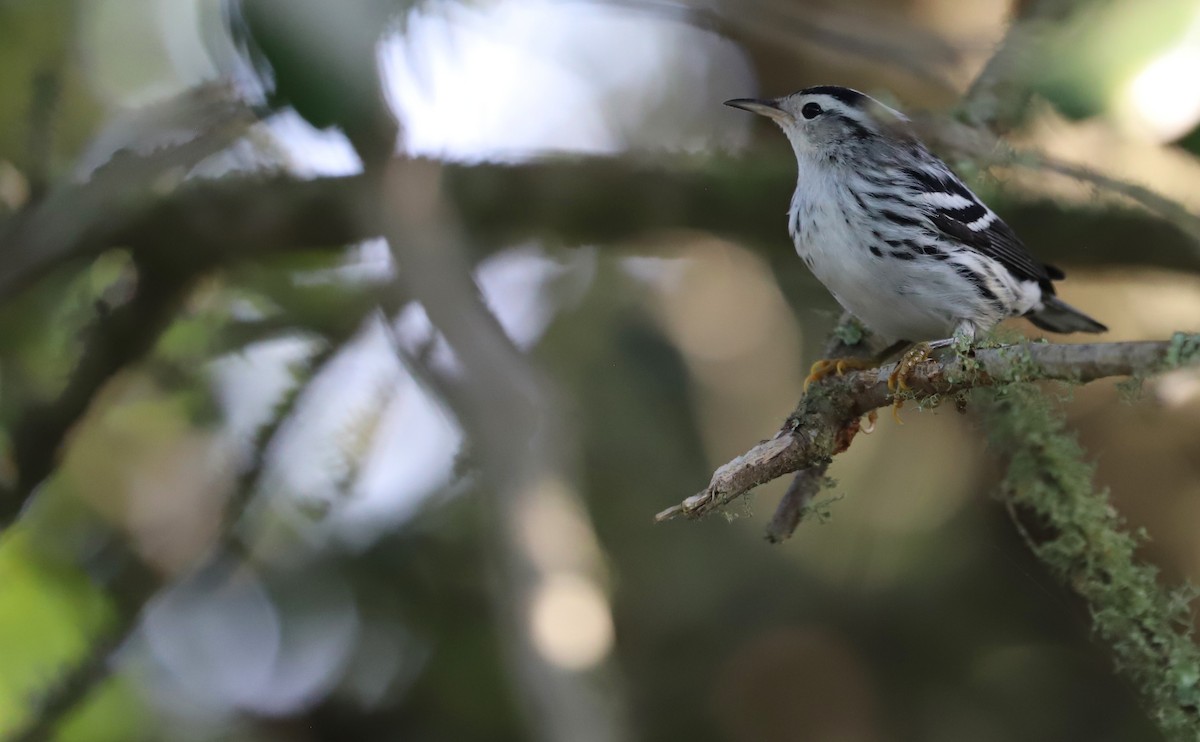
958 213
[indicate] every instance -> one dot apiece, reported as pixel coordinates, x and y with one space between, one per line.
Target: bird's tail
1058 316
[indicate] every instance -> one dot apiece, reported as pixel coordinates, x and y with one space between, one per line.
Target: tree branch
116 340
1074 530
570 202
808 482
510 423
827 418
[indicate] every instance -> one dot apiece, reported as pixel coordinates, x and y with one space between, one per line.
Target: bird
897 238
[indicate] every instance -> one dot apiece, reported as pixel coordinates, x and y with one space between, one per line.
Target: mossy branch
1047 490
827 418
1076 533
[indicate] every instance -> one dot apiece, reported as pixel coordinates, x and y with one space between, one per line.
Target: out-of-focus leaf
112 713
35 38
1097 53
48 616
320 58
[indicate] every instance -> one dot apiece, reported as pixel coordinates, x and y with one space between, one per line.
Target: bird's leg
964 335
827 367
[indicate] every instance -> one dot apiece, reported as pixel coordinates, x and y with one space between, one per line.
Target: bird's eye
811 110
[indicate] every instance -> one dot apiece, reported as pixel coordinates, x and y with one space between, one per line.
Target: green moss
1082 540
850 332
1132 389
929 402
819 509
1184 350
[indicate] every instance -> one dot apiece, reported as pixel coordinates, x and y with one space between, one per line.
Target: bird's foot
869 426
827 367
898 379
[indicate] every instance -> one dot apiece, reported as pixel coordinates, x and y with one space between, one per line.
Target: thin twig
1169 209
806 484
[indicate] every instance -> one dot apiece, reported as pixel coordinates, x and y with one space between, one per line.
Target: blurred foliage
320 59
42 83
1102 49
50 613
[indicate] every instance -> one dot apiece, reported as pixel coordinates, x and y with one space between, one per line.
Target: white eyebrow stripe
944 200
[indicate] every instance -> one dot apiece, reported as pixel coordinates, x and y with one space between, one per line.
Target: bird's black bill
763 107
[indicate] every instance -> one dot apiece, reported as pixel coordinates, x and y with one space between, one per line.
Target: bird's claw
827 367
898 380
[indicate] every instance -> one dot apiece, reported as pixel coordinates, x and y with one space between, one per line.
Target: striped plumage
893 233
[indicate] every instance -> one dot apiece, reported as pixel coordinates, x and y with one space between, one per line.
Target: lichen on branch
1048 490
1073 529
826 419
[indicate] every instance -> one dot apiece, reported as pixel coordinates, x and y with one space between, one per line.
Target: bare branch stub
805 486
847 340
827 418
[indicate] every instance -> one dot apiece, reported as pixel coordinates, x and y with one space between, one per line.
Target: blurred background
274 469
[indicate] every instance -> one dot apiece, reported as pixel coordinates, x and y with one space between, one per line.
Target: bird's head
827 120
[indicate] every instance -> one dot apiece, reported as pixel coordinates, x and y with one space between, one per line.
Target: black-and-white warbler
895 236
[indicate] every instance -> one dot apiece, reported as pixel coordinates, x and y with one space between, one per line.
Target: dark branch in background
83 220
117 339
212 221
826 420
569 202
